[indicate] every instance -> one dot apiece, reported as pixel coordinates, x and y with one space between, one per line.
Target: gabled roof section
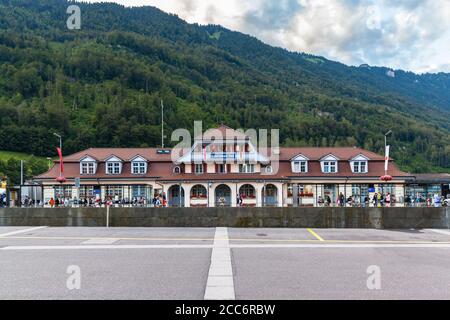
329 157
300 157
138 158
113 158
360 157
315 154
126 154
88 158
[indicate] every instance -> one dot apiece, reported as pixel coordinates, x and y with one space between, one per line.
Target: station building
222 167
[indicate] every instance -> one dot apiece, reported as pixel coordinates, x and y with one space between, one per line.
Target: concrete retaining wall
389 218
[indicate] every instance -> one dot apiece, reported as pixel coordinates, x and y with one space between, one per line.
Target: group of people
385 200
159 200
430 201
28 202
378 200
57 202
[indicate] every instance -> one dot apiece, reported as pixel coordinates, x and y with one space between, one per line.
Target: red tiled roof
163 170
126 154
344 154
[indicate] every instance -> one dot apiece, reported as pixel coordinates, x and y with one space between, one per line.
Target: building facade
224 168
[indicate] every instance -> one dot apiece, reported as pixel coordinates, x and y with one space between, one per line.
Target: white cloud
406 34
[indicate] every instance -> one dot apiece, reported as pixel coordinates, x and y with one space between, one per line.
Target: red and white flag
61 163
386 159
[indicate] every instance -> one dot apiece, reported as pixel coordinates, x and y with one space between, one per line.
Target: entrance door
223 196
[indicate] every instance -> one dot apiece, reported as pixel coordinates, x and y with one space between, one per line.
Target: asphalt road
223 263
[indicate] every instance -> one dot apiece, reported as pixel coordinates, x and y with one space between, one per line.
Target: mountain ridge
124 60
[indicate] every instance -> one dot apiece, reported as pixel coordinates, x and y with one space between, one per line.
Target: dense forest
101 86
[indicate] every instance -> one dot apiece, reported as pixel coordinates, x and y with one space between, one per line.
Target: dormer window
139 165
360 164
113 168
299 164
329 164
360 167
113 165
177 170
88 166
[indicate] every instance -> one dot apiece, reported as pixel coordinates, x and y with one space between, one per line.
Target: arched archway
247 191
223 196
270 194
198 192
175 198
198 196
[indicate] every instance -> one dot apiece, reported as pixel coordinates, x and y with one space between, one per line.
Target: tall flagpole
162 124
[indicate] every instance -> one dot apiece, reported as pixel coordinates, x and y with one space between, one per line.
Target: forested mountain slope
101 86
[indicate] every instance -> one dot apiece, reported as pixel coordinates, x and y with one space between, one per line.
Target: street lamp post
60 140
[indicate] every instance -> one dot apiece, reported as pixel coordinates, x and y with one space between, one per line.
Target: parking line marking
101 247
221 273
315 234
220 285
343 245
100 241
20 231
230 239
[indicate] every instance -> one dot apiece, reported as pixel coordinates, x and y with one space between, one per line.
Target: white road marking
355 246
101 247
446 232
99 241
20 231
220 285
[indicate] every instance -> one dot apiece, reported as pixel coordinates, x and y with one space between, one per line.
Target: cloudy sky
402 34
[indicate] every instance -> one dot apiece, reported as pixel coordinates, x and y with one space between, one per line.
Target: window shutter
216 168
228 168
204 168
193 167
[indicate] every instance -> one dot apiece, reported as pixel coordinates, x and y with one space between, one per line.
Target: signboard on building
223 155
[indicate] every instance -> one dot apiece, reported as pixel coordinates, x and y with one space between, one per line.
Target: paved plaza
223 263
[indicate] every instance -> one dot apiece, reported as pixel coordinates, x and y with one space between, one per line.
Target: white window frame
269 169
138 167
359 166
177 170
328 165
198 168
247 168
224 166
113 167
300 166
87 167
